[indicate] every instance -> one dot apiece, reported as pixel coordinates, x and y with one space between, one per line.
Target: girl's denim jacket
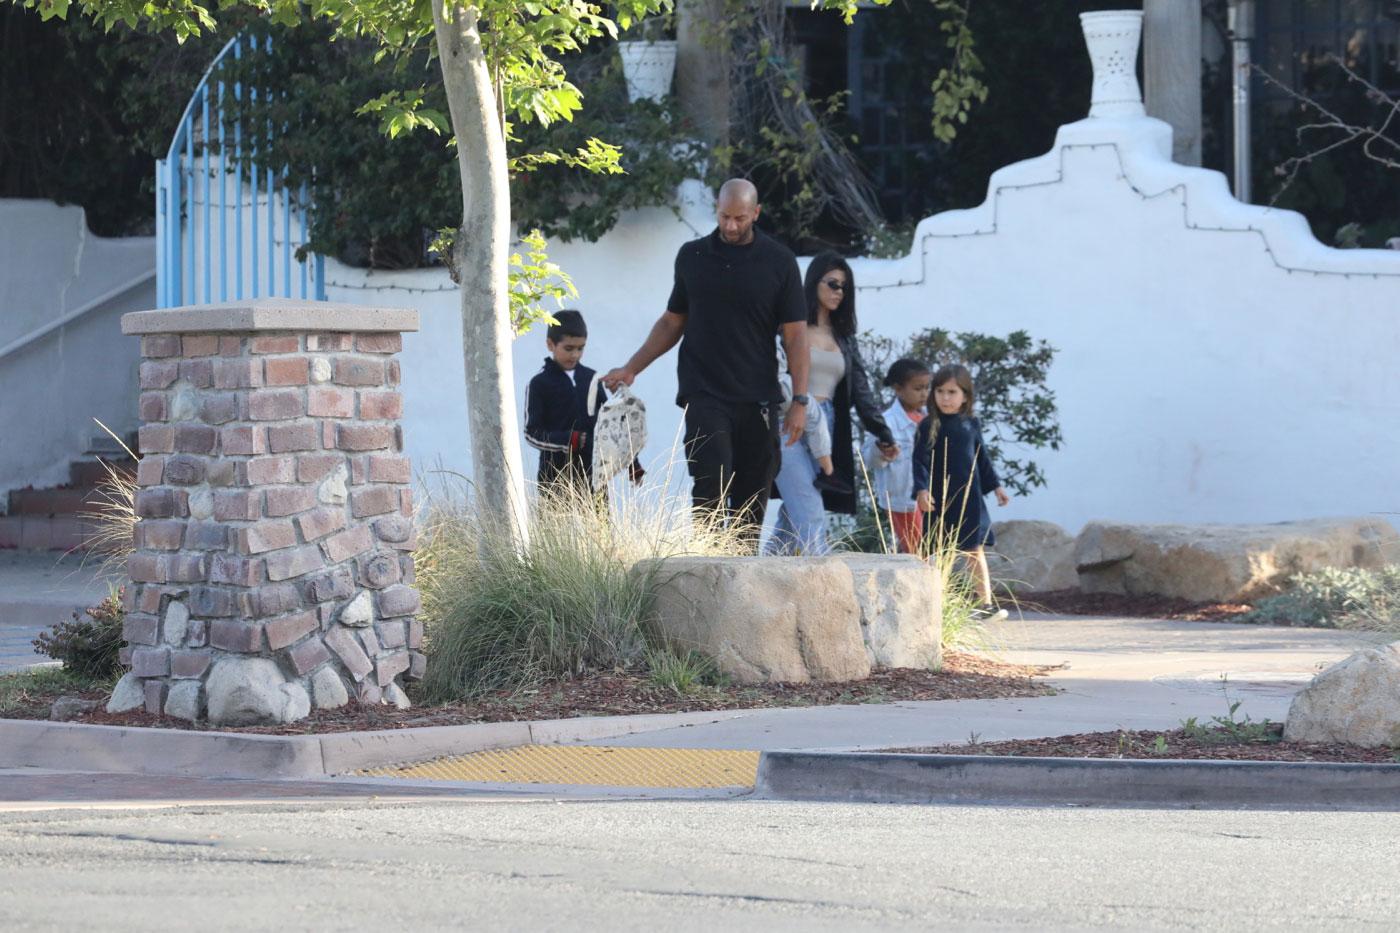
893 480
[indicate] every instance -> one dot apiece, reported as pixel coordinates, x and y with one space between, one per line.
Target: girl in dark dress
952 474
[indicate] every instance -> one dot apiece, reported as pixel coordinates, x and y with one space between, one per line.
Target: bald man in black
734 291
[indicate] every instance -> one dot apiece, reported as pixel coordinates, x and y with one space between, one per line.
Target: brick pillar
273 569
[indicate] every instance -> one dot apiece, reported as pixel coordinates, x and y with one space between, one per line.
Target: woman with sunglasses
838 382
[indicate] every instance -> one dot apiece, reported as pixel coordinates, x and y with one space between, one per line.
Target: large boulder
1356 700
1224 563
247 691
763 619
901 610
1032 557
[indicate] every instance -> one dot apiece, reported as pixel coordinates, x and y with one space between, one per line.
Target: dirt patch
1177 743
1075 603
619 693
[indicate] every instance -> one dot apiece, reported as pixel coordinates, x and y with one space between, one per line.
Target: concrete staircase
54 519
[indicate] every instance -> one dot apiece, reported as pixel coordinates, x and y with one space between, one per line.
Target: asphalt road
692 865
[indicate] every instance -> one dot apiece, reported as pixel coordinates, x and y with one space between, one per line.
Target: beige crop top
828 368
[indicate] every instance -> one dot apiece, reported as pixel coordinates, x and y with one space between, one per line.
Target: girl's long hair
843 319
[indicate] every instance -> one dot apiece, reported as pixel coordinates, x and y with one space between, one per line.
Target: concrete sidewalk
1119 674
39 589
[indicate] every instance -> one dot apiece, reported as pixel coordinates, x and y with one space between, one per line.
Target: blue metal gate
217 213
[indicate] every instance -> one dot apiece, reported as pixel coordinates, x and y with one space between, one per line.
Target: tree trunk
702 67
1171 65
482 251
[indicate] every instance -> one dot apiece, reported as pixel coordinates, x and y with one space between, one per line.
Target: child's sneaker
829 483
988 614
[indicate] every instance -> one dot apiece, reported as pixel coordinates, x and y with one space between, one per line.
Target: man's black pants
732 448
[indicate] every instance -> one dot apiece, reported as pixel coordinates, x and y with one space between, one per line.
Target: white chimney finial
1113 37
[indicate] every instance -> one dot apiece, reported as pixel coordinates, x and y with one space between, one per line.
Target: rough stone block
276 405
357 437
289 371
389 469
279 343
160 345
399 600
307 656
1224 563
394 529
145 567
153 406
159 375
293 562
417 665
316 525
206 536
268 535
327 402
154 691
273 599
328 689
357 371
237 374
189 664
377 571
328 342
267 471
150 662
378 343
219 408
160 535
393 634
389 667
330 586
243 440
347 544
183 701
209 602
347 647
156 439
248 691
289 629
901 610
237 505
289 500
374 500
284 437
201 344
175 624
198 373
763 619
236 635
381 406
1355 701
235 571
150 470
184 470
187 568
140 629
193 439
415 633
312 468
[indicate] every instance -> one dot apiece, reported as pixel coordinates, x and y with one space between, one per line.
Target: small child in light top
817 435
892 481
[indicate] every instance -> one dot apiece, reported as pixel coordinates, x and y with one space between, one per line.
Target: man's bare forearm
665 334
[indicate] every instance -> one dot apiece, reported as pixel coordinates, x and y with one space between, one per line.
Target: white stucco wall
1216 363
51 388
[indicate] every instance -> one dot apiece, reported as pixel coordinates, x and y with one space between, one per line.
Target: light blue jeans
801 525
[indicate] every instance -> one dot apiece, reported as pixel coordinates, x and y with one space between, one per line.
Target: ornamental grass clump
572 599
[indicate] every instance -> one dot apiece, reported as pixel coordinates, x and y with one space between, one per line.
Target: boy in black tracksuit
557 422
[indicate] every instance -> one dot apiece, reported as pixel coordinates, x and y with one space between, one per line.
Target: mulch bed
1073 602
618 693
1143 744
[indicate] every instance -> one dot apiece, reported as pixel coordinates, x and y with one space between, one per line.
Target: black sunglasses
836 285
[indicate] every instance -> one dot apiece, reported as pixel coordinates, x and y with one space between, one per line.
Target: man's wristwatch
800 400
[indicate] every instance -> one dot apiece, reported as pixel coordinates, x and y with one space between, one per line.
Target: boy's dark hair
958 373
570 325
902 370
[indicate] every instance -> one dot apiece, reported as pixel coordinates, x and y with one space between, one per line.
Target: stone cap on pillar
271 314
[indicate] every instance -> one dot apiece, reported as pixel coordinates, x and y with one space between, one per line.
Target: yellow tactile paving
592 765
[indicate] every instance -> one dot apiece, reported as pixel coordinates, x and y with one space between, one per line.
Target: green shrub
683 674
1349 597
89 645
498 617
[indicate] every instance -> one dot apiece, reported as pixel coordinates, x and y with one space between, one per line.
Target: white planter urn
648 68
1113 37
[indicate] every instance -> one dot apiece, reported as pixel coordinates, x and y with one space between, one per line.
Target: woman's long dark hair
843 319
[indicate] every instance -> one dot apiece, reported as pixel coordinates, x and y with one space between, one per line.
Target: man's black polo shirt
734 298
